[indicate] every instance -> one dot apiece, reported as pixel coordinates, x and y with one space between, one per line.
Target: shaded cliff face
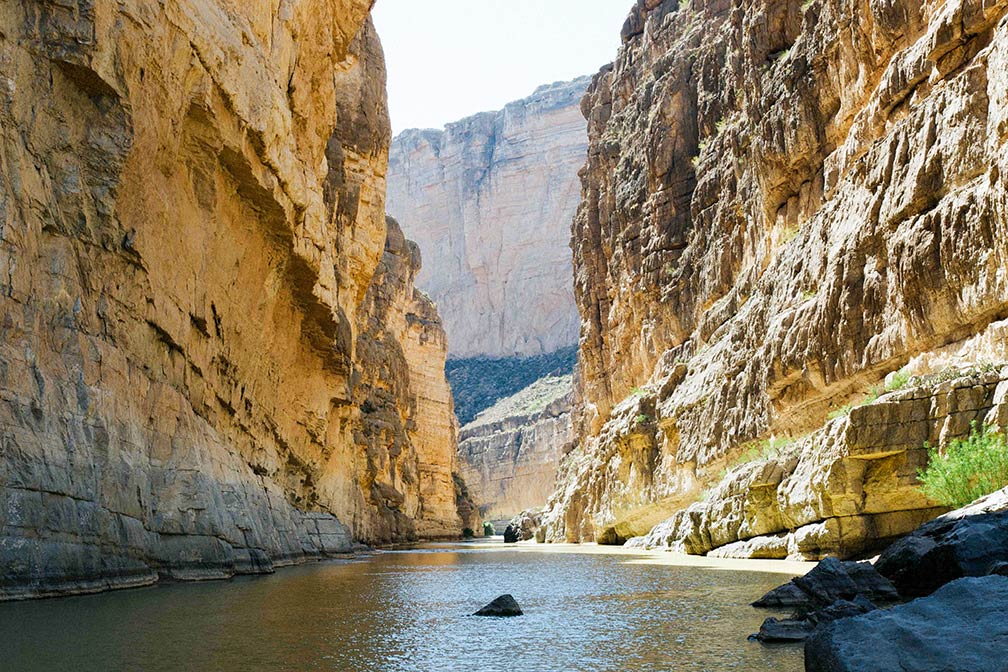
510 453
187 246
783 203
490 200
407 424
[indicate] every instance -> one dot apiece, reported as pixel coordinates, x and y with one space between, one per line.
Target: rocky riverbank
954 572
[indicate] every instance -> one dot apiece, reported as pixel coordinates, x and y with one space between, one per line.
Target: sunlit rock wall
783 203
191 217
490 200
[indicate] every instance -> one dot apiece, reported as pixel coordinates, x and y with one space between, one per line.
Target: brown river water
408 610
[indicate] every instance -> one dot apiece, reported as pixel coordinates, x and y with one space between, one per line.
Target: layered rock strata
783 202
847 489
509 455
197 358
490 201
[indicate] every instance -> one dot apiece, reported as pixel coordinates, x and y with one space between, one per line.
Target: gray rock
799 628
967 542
960 628
830 581
505 605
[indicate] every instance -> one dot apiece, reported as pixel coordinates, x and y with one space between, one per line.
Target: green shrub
488 529
467 533
767 449
841 412
967 469
643 419
898 381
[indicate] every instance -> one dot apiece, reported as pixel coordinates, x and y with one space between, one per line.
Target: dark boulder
960 628
799 627
523 526
967 542
830 581
505 605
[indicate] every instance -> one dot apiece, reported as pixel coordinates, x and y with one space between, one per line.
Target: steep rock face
186 246
407 425
509 455
783 202
490 200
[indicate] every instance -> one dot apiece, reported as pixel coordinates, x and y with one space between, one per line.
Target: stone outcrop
972 541
509 454
524 526
961 628
832 590
783 203
207 365
847 489
490 201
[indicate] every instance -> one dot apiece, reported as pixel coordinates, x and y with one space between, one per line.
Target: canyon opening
620 335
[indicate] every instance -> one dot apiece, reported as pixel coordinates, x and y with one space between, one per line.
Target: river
408 610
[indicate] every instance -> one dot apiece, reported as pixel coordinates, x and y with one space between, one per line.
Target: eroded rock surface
490 201
191 362
783 203
509 454
848 489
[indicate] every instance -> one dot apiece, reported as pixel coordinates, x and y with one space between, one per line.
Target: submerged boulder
972 541
960 628
505 605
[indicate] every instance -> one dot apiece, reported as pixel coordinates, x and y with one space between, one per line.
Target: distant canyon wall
212 359
490 201
783 203
510 454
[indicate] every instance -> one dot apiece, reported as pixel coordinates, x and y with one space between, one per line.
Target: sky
448 59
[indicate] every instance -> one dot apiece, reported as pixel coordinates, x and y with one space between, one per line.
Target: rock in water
505 605
799 628
960 628
830 581
971 541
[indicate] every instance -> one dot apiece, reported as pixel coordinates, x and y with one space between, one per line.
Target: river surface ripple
399 611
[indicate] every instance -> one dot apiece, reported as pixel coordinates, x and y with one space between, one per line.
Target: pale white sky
448 59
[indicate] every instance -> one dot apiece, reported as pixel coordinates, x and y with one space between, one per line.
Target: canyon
786 206
490 200
212 357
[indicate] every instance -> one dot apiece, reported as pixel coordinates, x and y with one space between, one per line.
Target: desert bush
967 468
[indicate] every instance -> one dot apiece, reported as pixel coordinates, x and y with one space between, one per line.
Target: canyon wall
490 200
510 453
783 204
211 357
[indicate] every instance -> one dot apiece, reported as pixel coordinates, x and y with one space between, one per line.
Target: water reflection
408 610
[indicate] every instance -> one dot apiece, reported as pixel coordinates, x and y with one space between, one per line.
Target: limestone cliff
196 350
783 203
509 454
490 200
